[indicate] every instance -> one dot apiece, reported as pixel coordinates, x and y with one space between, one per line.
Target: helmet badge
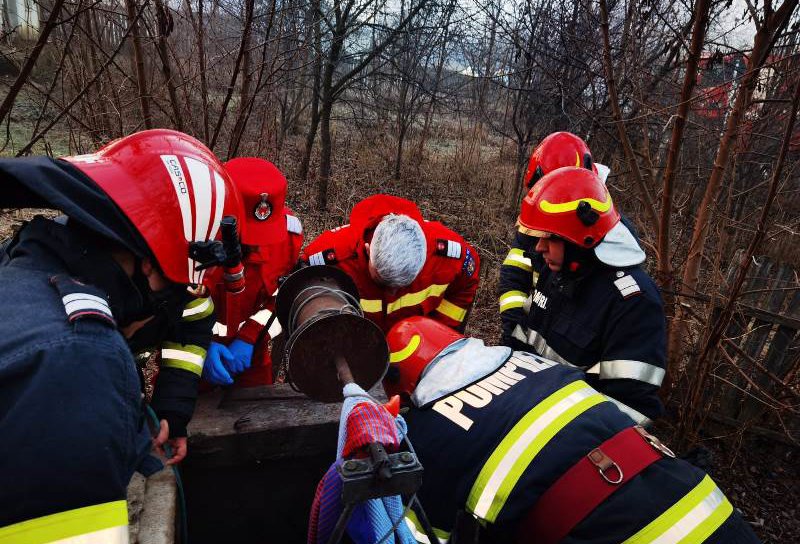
263 209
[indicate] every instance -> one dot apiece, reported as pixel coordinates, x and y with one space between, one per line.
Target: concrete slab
152 508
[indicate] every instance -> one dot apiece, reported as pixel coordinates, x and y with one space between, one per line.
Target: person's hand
218 360
178 445
242 355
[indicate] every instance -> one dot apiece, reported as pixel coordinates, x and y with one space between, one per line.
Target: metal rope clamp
328 340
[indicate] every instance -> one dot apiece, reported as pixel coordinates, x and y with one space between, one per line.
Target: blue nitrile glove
217 359
242 354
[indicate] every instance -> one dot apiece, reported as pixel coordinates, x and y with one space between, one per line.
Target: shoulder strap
82 301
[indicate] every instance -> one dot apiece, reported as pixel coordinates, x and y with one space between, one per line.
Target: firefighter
271 238
143 212
590 307
522 449
520 269
402 264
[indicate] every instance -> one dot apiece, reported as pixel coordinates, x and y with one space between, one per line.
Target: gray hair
398 250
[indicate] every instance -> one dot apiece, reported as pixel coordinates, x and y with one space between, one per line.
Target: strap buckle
657 444
604 464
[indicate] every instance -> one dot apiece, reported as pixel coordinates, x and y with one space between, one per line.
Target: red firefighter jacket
443 290
264 265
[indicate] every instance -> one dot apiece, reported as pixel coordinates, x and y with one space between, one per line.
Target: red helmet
263 190
557 150
572 203
174 191
413 343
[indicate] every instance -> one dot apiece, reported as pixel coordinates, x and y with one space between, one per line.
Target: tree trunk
325 155
620 123
311 135
164 29
690 78
248 25
201 53
762 44
138 64
30 62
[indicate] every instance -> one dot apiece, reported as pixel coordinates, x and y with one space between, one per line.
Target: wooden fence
762 349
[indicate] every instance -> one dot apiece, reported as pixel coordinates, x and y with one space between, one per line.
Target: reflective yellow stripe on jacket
516 257
198 309
517 450
371 306
512 299
413 524
184 356
105 523
456 313
414 299
691 520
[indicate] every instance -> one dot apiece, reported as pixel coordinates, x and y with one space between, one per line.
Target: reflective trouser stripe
512 299
516 257
413 299
456 313
185 356
691 520
406 352
105 523
371 306
198 309
631 370
517 450
413 524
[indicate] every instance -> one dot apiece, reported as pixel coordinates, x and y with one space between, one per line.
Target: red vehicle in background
716 79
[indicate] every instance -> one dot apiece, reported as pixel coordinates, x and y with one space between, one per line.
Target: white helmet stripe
201 183
219 196
179 182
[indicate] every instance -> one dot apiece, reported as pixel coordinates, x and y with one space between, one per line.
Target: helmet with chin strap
557 150
173 190
571 203
413 344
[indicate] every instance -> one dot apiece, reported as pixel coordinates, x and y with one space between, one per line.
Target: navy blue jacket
493 447
70 402
608 321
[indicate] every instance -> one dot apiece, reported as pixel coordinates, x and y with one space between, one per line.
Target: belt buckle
604 463
657 444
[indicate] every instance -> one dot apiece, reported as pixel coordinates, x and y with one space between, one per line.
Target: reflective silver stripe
539 345
80 305
200 308
631 370
112 535
627 286
635 415
262 318
84 296
453 249
316 259
185 356
691 520
294 225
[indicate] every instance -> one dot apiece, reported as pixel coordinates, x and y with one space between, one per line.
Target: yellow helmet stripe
572 205
577 159
406 352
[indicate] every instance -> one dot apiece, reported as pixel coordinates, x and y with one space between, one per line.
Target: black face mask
164 307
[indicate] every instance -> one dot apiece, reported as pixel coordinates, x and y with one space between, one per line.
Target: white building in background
21 17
